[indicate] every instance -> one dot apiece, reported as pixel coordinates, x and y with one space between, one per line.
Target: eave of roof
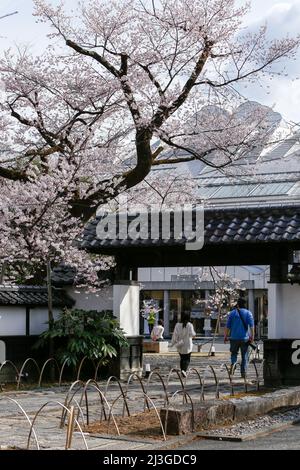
33 296
223 226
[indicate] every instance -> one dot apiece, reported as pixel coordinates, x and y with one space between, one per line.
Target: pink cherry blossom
78 123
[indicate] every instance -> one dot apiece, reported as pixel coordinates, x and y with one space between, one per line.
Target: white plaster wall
126 307
284 311
2 352
38 319
102 300
273 311
12 321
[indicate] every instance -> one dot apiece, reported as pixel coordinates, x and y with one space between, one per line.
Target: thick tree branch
101 60
12 174
169 161
86 208
153 80
128 93
165 111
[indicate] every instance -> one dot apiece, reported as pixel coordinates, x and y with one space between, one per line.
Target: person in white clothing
182 339
158 331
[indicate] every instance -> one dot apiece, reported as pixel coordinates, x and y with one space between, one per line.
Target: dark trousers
235 346
185 361
150 326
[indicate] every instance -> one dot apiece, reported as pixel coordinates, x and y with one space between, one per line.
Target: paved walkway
18 409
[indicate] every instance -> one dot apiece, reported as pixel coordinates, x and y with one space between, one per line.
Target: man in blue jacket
240 331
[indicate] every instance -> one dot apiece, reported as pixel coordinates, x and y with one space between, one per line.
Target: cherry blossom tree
36 227
227 289
121 81
38 233
120 75
226 292
170 189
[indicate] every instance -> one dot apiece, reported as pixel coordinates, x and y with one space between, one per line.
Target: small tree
226 292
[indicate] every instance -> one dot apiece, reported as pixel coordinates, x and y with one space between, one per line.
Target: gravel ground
259 424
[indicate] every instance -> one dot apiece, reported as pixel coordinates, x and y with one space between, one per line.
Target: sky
282 17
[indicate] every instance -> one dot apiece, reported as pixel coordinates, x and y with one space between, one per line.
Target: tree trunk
2 273
216 331
50 318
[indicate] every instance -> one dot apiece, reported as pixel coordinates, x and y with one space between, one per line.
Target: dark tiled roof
63 275
33 296
265 224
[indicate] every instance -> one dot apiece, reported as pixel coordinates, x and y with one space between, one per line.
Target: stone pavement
15 423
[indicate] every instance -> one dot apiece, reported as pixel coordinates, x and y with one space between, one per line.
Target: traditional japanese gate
266 235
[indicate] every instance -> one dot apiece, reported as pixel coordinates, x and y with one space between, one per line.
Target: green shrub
79 333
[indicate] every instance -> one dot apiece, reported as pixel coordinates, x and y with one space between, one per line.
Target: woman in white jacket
182 339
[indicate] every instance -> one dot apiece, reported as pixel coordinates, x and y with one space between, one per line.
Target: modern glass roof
265 177
207 192
240 190
246 190
282 149
272 189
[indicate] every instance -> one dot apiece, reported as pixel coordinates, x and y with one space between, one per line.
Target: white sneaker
183 373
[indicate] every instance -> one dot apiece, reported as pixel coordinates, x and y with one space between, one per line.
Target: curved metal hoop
155 372
142 387
178 373
155 409
193 369
10 363
103 398
81 364
32 430
84 394
210 367
51 359
110 379
68 401
29 359
66 410
65 363
96 369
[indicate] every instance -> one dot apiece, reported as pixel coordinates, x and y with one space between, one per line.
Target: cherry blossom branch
165 111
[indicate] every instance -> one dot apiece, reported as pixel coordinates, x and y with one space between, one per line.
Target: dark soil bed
142 425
